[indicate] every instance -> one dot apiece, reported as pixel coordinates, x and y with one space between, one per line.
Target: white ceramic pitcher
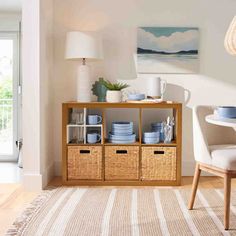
156 87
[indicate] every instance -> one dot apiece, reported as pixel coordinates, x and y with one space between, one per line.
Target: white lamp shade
230 38
83 45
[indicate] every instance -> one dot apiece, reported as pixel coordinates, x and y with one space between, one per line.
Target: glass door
9 74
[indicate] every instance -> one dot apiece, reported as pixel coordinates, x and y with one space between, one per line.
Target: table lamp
83 46
230 38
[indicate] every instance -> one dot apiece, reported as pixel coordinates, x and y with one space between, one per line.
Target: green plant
114 86
5 88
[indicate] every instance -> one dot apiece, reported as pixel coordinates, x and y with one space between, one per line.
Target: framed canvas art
167 50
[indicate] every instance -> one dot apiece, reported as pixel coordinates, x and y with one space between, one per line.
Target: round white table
216 120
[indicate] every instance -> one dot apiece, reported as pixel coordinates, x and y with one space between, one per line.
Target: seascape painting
167 50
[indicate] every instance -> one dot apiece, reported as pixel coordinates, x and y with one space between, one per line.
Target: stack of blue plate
158 127
122 132
151 137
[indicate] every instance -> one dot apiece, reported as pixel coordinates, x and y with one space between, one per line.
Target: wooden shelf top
123 104
172 144
121 144
83 125
84 144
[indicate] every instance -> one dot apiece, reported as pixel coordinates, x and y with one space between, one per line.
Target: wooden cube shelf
132 164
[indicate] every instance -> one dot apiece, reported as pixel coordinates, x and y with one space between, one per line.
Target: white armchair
214 152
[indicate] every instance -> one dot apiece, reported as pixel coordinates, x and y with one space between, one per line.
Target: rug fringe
21 221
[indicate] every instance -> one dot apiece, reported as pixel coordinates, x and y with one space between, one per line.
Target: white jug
156 87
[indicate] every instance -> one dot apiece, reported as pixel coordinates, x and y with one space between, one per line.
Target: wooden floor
13 198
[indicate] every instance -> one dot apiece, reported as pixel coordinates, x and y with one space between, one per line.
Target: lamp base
83 84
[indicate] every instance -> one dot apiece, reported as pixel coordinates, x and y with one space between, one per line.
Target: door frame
15 36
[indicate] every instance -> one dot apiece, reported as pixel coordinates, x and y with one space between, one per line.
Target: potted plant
114 91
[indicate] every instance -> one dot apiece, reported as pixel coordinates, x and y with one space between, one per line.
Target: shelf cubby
74 128
117 114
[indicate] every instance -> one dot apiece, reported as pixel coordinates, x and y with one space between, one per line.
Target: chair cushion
224 156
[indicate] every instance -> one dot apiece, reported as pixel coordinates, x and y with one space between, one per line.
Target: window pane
6 97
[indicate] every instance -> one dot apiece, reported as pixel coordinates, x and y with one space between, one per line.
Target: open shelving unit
106 163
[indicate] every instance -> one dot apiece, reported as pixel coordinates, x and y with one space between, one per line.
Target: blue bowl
227 112
151 140
151 134
136 97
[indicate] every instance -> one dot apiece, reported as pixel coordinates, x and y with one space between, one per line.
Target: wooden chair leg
227 190
194 186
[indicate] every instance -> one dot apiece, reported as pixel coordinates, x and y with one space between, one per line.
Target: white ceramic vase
114 96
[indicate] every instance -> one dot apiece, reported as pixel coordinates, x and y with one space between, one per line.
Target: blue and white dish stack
122 133
159 127
151 137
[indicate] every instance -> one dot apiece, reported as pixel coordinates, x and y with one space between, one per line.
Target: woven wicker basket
121 162
158 163
84 162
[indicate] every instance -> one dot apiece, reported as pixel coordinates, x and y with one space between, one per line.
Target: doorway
9 100
9 104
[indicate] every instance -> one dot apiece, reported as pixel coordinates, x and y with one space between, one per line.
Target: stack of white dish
122 133
151 137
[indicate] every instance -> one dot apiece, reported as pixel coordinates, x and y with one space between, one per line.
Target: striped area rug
124 211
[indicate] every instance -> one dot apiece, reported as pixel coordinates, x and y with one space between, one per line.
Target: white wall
37 54
215 83
46 90
32 178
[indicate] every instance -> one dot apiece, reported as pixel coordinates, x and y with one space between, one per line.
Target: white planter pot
114 96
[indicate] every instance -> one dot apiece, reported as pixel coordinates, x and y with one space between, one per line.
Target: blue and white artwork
167 50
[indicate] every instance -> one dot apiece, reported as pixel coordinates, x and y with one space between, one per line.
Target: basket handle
121 151
84 151
159 152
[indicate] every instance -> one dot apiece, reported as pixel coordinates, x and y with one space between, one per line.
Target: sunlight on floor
10 172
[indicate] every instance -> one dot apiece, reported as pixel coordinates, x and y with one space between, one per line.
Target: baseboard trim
36 182
47 175
32 181
57 168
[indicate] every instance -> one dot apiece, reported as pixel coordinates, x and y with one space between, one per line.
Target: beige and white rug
124 211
